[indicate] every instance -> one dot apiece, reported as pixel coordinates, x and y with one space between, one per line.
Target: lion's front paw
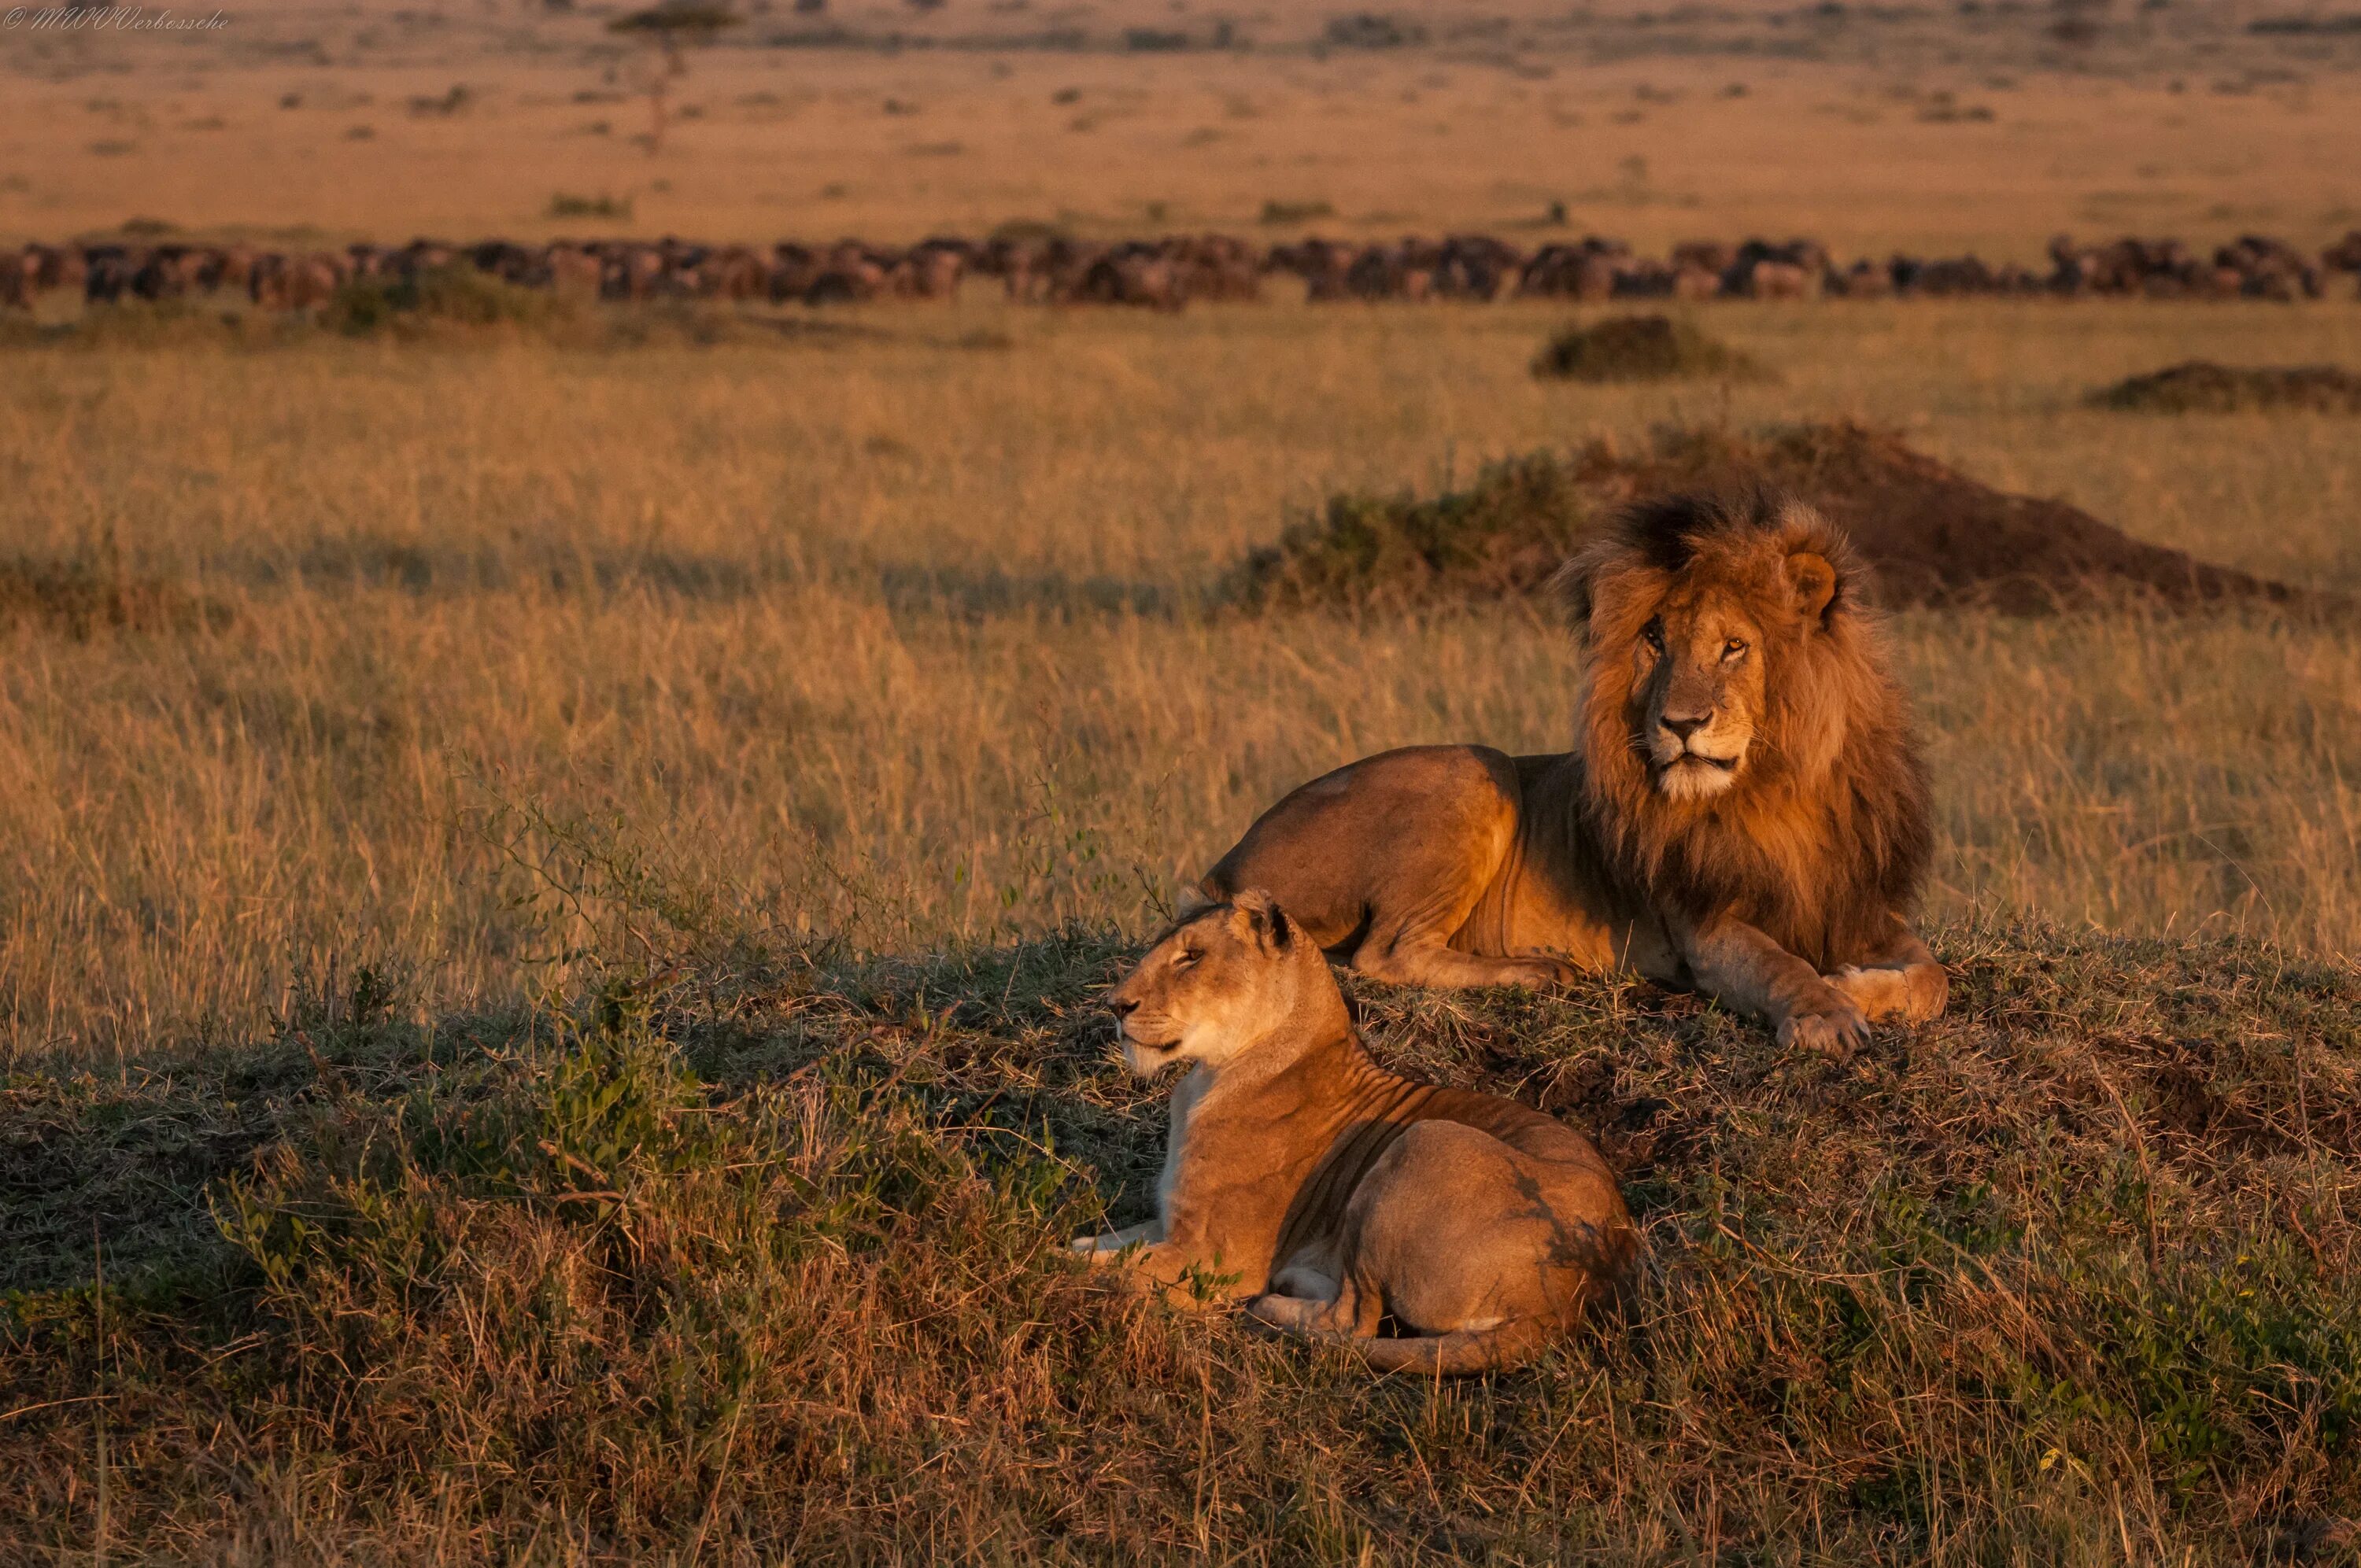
1831 1024
1878 992
1546 973
1915 994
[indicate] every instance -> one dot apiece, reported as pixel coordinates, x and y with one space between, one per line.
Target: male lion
1326 1193
1745 810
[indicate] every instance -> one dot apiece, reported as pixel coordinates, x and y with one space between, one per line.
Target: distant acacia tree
668 24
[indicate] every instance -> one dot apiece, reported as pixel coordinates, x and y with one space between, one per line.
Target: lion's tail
1460 1352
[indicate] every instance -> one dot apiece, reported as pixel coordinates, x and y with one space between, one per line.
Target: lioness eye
1188 956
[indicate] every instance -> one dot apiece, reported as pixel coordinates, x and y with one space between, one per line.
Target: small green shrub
92 592
1506 532
1640 348
457 295
1280 212
567 205
2200 386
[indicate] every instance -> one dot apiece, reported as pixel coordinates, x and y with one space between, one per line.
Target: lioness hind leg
1109 1247
1354 1314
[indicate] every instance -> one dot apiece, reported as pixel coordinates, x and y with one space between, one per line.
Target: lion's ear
1265 920
1814 582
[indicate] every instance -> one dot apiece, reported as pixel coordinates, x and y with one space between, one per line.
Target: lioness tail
1458 1352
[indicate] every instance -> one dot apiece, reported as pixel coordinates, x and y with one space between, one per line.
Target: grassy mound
2075 1271
2200 386
1640 348
1935 536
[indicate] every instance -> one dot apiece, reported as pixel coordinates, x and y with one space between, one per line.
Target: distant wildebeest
1320 263
63 268
1475 267
1587 270
296 283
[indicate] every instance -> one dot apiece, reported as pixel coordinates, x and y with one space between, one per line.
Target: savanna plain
553 883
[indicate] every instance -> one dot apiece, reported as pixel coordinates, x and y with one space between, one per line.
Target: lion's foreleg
1739 965
1900 979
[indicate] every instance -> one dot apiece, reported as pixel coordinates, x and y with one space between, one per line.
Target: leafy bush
1640 348
1505 532
1297 212
457 295
92 592
564 204
2200 386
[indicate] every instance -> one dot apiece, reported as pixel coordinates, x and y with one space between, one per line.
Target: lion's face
1216 984
1698 686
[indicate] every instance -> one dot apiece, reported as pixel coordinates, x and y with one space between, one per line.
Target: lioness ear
1265 919
1814 582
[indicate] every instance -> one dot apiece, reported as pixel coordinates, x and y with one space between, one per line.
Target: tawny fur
1745 811
1328 1195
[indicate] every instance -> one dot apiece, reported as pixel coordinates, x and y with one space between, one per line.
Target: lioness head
1705 600
1222 980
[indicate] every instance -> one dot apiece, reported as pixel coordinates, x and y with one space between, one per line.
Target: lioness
1745 810
1305 1180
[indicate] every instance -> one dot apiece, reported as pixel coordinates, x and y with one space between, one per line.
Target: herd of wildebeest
1167 273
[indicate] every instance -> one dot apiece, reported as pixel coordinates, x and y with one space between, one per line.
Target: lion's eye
1655 633
1733 648
1189 956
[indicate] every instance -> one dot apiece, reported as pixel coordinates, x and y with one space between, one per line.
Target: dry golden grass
905 639
352 694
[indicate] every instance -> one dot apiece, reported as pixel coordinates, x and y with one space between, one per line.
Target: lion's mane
1824 838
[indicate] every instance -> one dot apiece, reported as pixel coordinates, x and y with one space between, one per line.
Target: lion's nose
1123 1006
1683 728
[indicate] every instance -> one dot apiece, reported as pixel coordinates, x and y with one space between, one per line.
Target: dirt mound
2200 386
1935 536
1639 348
